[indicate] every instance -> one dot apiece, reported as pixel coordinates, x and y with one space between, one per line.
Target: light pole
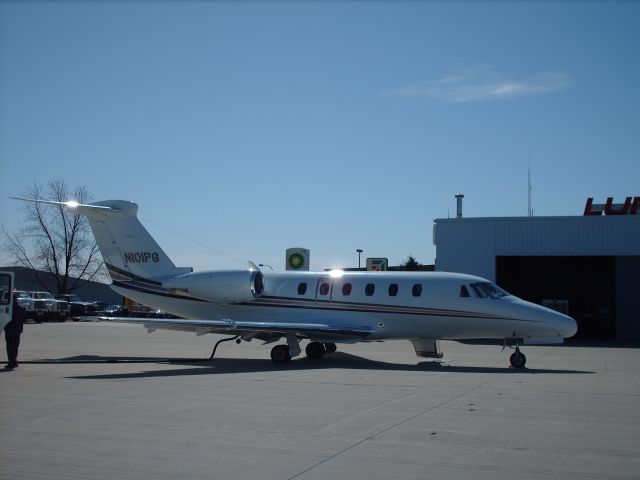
359 250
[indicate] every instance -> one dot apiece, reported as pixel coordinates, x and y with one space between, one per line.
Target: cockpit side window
464 292
478 291
487 289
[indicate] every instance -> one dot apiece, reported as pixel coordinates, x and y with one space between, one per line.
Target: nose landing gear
517 358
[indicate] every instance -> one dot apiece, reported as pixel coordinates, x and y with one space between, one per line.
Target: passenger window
369 289
393 289
302 288
346 289
464 292
324 288
416 291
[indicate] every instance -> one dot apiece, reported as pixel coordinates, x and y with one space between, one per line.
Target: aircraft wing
268 331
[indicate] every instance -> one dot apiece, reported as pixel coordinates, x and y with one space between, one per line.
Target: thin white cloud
482 84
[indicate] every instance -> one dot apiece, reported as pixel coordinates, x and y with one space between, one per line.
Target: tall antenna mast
530 209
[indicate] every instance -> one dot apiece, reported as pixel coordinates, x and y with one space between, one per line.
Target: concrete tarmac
109 401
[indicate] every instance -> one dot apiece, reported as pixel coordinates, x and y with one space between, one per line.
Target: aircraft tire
315 350
518 360
330 347
280 354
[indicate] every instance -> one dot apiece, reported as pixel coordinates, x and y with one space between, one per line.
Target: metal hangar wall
587 266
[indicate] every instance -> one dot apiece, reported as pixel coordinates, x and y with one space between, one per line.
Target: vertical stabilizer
129 251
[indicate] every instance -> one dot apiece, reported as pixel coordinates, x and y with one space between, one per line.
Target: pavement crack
395 425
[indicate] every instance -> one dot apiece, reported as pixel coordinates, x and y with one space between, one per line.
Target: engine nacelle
230 286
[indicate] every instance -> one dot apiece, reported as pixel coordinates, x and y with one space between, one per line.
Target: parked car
160 314
57 309
100 306
115 311
78 307
20 294
35 309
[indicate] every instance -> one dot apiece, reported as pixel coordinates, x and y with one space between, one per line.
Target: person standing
12 332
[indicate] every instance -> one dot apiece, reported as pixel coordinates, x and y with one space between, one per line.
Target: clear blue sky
253 127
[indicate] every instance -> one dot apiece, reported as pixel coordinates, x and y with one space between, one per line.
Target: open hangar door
581 286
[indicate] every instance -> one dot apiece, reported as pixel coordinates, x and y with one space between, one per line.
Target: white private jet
325 308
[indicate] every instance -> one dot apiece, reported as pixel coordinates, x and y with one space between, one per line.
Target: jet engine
231 286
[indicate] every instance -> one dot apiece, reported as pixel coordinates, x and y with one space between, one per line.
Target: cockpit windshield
487 289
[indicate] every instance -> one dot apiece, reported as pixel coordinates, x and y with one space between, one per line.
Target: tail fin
129 251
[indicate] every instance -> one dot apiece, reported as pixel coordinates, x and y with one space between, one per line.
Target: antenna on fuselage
203 245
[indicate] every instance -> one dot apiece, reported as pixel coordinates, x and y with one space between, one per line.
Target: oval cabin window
369 289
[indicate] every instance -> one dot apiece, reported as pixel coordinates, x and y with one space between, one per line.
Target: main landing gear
314 351
280 354
284 352
517 358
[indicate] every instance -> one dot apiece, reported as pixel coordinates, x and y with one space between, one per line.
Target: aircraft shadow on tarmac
223 365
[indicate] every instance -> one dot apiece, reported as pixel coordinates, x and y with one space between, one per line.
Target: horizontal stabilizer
70 204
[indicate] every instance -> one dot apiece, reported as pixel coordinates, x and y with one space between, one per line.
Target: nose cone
546 323
564 325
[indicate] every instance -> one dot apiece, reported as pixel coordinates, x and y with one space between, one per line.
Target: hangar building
586 266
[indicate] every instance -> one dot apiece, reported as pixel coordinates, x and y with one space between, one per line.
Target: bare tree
54 243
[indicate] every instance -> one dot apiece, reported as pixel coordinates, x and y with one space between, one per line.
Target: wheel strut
517 358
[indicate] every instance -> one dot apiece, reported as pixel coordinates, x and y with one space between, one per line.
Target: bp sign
377 264
297 259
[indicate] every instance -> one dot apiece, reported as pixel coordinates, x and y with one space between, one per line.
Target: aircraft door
6 293
324 290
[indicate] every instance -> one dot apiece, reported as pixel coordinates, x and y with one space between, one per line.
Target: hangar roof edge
571 218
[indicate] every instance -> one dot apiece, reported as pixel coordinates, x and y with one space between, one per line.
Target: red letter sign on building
609 208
